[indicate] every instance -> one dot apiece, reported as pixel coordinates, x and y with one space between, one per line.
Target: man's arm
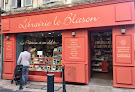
20 56
30 58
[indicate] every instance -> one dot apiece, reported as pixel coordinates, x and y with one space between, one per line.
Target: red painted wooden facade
79 19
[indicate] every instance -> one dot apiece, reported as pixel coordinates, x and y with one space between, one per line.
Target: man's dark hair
25 49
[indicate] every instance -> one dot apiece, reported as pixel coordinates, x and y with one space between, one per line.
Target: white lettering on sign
27 23
74 47
70 19
123 49
123 55
30 42
9 50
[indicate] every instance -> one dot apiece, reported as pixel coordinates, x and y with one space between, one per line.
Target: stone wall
38 6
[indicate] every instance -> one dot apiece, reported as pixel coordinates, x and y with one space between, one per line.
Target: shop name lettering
51 42
70 19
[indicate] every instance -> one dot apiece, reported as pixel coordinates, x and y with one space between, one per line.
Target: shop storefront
78 37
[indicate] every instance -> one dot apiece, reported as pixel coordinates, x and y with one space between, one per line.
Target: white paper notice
39 52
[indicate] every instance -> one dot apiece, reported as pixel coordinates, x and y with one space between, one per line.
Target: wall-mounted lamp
73 33
7 37
123 31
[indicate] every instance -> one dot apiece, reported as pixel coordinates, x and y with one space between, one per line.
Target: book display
57 59
48 64
46 52
101 48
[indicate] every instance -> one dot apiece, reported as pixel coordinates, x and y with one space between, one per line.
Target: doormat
33 86
56 88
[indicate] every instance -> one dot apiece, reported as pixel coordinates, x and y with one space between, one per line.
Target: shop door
9 62
75 55
123 57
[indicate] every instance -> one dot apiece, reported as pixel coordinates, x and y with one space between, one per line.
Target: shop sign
56 21
123 49
9 50
69 19
72 19
74 49
50 42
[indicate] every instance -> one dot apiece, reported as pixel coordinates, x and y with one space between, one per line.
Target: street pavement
6 86
7 90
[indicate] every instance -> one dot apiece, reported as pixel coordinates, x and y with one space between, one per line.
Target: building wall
38 5
0 3
0 41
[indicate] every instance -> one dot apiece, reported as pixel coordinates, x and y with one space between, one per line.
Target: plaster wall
0 3
38 5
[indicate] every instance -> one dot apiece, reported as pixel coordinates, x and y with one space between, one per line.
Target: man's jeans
25 71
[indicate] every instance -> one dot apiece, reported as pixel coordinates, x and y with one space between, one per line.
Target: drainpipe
2 55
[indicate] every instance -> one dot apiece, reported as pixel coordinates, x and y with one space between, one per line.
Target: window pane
19 3
13 3
3 4
46 51
28 2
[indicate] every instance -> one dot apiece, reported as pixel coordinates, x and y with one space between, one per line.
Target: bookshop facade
89 38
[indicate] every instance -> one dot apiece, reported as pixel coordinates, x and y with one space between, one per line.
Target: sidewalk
38 87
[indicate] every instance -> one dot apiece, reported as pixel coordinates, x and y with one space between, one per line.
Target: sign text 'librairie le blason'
69 19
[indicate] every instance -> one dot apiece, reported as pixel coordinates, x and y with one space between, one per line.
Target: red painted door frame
123 57
9 56
123 65
75 55
94 30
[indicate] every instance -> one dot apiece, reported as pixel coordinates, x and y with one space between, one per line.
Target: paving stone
32 86
56 88
92 87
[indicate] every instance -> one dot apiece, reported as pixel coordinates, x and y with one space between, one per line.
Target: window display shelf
42 64
57 65
55 52
96 65
49 64
100 66
96 59
49 57
99 70
43 70
104 44
57 58
101 47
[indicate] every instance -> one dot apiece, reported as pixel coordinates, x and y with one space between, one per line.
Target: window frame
13 6
51 1
25 5
3 5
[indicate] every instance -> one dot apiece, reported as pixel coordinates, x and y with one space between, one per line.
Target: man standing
25 58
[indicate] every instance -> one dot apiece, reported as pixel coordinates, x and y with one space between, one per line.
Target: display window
46 50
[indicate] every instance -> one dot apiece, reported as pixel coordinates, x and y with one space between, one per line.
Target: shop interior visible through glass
46 50
101 55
